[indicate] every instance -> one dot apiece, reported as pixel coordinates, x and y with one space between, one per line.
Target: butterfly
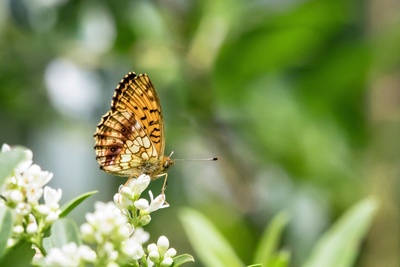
129 140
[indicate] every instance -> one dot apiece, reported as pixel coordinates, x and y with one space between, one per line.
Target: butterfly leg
165 183
129 179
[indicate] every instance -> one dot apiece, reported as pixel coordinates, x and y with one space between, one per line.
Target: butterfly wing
137 94
132 131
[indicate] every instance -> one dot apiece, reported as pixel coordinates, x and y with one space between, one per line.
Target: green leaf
181 259
255 265
73 203
6 225
9 161
213 249
47 244
63 231
340 245
270 239
280 260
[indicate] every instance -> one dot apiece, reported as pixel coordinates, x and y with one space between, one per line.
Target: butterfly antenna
208 159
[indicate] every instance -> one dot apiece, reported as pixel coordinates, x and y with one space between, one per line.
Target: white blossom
22 191
52 197
142 204
70 255
161 253
156 203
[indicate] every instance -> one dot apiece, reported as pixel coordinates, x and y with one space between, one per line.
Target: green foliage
267 249
212 248
6 225
63 231
181 259
337 247
73 203
341 244
9 160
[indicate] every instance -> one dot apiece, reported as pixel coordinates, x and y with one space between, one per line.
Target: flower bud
154 256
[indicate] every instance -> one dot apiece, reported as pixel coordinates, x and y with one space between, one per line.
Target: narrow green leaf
213 249
280 260
181 259
270 239
255 265
340 245
6 225
9 161
73 203
63 231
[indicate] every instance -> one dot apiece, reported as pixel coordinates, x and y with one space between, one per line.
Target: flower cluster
138 209
160 254
116 240
70 255
21 192
113 233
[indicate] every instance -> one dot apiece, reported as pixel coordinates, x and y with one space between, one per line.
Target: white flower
133 249
160 253
32 226
142 183
70 255
16 196
52 216
141 204
18 229
126 191
43 209
162 244
152 247
23 208
111 252
86 229
154 256
167 262
87 253
105 221
52 197
157 203
171 252
117 198
35 177
33 194
141 236
126 230
11 242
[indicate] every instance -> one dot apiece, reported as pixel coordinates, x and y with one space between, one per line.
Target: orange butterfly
130 137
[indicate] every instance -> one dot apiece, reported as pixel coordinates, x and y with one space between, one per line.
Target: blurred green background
300 101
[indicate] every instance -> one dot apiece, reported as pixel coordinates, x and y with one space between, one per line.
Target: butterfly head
167 162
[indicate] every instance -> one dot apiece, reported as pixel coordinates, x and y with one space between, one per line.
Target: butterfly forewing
130 137
137 94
